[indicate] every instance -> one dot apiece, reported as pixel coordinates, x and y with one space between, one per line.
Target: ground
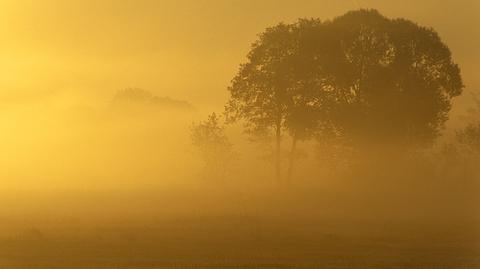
152 230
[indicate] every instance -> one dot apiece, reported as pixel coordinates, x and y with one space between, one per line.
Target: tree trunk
291 163
278 137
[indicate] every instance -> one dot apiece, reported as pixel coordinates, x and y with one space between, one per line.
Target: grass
230 242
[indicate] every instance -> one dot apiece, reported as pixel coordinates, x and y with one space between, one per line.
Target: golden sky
88 49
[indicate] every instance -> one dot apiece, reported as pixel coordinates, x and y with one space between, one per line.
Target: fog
126 184
110 156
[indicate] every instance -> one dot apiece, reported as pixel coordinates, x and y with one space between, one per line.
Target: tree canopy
361 74
401 75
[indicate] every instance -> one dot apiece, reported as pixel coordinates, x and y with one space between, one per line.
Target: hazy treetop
374 77
135 97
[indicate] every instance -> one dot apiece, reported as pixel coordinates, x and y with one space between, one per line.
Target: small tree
469 138
459 156
214 147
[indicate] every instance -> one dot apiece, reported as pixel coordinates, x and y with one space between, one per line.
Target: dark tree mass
400 75
360 75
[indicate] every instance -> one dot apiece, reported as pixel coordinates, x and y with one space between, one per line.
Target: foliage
401 75
362 75
135 98
468 138
276 92
466 142
213 145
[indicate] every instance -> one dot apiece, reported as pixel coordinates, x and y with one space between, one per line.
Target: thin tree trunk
278 137
291 163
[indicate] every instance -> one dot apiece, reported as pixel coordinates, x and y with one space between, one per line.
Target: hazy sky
83 51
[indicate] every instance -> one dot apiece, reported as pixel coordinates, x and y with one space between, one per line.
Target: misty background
118 183
63 62
81 52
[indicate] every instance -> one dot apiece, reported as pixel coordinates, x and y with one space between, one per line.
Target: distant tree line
136 97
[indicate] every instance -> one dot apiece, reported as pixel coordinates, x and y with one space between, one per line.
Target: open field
228 235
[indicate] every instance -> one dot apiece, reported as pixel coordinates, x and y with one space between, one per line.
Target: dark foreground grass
241 242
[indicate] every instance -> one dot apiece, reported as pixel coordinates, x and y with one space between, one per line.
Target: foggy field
220 246
239 134
187 228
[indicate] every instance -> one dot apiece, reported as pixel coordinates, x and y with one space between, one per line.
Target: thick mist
239 134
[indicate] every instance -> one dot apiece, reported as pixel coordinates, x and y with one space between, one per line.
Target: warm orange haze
239 134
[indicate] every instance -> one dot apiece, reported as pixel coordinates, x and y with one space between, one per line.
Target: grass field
227 238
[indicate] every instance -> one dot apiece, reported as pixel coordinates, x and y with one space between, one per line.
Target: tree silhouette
136 97
132 96
469 138
362 74
281 90
401 74
258 92
214 147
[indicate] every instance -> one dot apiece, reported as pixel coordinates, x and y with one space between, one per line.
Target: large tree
281 90
361 73
401 74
